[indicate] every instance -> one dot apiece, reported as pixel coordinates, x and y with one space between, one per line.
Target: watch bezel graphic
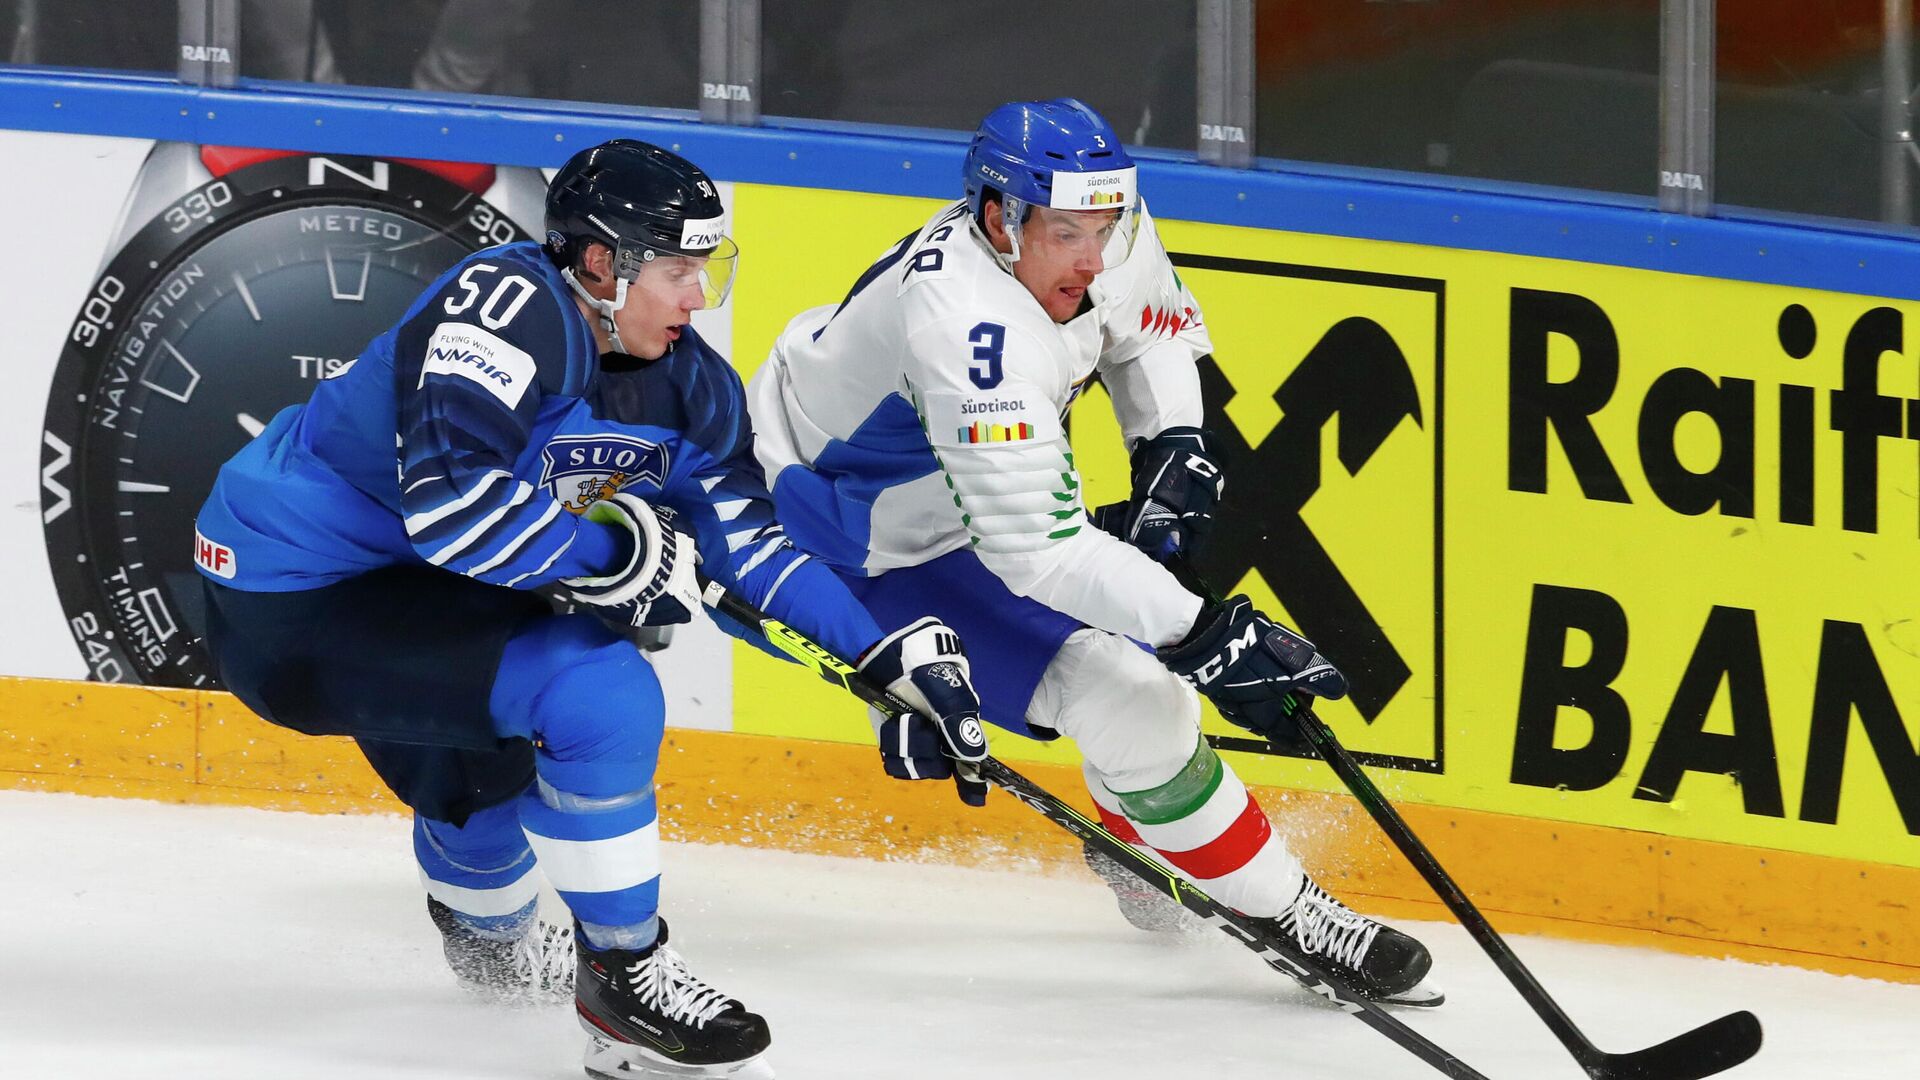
113 592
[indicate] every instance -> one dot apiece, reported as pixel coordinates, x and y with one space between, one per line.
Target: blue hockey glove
1247 664
925 665
1177 479
657 586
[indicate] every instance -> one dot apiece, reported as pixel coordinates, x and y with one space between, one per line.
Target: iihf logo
580 470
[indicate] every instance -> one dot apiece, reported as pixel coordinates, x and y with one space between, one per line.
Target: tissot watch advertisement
180 298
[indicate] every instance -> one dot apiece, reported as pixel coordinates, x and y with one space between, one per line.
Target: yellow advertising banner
1594 544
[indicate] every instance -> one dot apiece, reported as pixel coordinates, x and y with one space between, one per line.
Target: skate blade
621 1061
1424 995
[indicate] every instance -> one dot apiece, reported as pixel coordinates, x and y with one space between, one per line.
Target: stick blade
1706 1050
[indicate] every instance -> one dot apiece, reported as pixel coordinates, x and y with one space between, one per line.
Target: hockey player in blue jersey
914 436
542 416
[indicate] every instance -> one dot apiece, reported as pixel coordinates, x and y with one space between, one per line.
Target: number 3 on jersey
989 342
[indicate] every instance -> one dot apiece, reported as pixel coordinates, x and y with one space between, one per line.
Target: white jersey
924 415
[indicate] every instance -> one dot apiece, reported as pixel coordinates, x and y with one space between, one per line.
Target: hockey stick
1279 953
1711 1048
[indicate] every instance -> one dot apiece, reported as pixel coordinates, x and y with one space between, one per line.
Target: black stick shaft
1702 1052
1277 952
1443 885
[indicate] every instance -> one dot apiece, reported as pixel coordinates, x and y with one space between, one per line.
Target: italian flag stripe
1197 783
1120 827
1229 851
1202 824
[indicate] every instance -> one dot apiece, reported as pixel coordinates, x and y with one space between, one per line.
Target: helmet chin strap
605 308
1010 211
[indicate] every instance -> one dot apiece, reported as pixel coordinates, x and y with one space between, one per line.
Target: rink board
831 798
1631 543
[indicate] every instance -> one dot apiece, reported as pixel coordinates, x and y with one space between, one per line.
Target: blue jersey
472 435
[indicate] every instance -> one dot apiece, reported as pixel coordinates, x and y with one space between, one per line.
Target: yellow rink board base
1529 876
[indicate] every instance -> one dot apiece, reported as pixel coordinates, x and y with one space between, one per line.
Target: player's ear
597 260
995 224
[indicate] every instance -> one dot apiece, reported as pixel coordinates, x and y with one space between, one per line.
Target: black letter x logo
1357 372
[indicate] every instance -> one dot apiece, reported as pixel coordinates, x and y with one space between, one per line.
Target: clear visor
712 273
1085 236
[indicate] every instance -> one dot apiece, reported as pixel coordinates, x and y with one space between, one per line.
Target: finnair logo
698 234
478 363
479 356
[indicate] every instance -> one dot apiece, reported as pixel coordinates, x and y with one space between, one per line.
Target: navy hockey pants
512 732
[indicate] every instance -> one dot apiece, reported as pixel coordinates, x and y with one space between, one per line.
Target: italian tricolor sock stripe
1207 825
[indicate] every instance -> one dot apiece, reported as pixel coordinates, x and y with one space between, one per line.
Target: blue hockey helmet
1058 154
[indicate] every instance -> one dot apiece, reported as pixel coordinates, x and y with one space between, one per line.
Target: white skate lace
543 959
1325 927
664 984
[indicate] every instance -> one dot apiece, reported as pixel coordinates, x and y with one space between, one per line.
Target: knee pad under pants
1138 728
1134 721
594 709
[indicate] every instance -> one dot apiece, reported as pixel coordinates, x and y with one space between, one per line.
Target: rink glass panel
1797 109
947 65
103 34
1561 92
637 52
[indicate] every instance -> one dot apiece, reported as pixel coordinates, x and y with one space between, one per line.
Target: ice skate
650 1018
1384 964
1146 907
534 968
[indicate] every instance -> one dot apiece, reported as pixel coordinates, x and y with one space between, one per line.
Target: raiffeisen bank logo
1327 404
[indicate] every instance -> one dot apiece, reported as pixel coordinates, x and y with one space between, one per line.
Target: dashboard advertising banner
1593 544
209 288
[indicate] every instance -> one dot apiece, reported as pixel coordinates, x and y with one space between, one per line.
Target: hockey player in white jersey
914 438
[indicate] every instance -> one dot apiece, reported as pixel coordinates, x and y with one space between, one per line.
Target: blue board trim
1606 229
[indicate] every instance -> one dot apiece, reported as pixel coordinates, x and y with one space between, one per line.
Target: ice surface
141 941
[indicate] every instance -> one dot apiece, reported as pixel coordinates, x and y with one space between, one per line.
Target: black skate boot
535 968
1146 907
646 1015
1384 964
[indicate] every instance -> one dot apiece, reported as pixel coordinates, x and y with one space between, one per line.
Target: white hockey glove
1247 664
925 665
657 586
